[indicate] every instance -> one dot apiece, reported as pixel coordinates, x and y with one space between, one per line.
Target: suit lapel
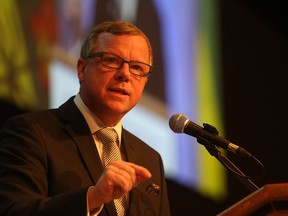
79 132
128 148
131 156
89 154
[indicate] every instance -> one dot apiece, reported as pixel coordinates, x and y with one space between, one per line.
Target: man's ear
81 65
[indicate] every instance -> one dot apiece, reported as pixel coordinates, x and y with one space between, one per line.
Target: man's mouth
119 91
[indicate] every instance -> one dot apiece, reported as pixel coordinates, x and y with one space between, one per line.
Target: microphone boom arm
214 151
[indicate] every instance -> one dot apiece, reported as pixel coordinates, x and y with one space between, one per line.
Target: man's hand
118 178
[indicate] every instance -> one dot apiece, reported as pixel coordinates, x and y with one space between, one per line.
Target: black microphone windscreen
178 122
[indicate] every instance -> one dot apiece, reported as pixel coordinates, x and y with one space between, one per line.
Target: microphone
180 123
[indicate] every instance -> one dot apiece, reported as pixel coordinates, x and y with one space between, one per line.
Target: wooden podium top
267 194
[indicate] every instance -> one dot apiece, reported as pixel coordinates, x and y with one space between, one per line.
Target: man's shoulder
43 115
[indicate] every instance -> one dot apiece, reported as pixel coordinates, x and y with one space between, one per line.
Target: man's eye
137 68
110 60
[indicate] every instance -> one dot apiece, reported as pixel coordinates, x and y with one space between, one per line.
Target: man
51 162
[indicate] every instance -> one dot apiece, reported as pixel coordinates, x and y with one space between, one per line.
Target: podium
273 196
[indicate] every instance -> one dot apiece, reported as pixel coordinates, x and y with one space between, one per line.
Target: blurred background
218 62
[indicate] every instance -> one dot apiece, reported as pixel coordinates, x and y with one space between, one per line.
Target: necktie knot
111 151
107 135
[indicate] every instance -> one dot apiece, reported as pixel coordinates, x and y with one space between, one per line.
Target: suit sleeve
24 175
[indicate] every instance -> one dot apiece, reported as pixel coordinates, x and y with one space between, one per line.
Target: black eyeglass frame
100 54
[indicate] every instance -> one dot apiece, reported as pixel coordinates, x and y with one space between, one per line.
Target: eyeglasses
113 61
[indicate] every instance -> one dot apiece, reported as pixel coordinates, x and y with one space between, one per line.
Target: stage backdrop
40 45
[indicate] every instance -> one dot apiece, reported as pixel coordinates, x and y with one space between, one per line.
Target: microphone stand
214 151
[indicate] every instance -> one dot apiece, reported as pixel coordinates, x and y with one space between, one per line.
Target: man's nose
123 73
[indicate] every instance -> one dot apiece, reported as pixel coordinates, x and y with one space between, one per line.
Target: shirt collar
93 122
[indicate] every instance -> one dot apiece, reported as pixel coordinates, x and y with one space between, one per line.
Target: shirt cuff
95 212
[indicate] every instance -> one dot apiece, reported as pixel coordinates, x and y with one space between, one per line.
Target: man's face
111 93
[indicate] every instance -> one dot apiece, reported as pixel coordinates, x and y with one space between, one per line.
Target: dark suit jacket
48 160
